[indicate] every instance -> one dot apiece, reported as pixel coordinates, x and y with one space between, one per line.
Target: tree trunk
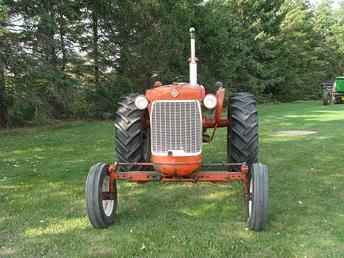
3 106
47 29
62 42
95 45
51 40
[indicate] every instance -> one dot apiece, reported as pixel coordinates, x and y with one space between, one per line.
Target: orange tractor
159 137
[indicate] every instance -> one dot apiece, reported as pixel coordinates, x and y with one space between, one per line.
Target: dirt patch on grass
294 133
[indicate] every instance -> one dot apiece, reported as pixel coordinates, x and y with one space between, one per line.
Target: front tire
242 135
326 98
258 197
101 200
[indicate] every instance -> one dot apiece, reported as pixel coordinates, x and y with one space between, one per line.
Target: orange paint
182 91
176 166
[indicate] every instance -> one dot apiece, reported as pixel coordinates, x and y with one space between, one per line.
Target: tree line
76 58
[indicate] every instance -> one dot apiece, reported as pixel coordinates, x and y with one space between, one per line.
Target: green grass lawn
42 206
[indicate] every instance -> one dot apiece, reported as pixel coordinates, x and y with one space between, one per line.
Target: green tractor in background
338 90
333 92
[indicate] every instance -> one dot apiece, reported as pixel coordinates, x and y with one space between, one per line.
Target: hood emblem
174 93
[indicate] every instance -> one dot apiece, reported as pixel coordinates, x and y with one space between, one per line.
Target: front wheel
101 196
326 98
258 197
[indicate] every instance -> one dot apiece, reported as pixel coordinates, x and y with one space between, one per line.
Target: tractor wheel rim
250 203
107 204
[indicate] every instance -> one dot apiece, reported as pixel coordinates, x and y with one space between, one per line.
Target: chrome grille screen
176 126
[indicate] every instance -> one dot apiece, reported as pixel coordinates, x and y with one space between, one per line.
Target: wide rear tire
242 136
132 137
259 197
101 203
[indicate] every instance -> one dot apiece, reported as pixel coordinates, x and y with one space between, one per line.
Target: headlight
141 102
210 101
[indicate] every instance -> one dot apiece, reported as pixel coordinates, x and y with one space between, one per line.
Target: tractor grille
176 126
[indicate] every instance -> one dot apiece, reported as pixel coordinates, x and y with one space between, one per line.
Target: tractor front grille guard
177 126
240 173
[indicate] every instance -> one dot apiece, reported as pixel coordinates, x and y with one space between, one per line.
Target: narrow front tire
101 196
258 197
326 98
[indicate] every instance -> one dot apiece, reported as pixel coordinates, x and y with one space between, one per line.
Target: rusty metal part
220 97
211 123
150 164
202 176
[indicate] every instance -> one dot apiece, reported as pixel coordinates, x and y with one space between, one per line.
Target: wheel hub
108 205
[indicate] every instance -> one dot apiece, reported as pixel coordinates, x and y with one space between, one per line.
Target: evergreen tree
70 58
3 101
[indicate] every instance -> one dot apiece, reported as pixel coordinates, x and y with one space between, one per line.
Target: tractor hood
176 91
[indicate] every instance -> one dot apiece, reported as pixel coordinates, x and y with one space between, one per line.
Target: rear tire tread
129 138
243 132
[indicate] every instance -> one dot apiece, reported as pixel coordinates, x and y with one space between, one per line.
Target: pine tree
3 102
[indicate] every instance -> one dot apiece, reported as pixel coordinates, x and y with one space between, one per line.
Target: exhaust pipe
193 59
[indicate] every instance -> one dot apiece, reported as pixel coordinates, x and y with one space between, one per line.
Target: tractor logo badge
174 93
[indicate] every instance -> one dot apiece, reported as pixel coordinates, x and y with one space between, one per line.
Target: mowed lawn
42 206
